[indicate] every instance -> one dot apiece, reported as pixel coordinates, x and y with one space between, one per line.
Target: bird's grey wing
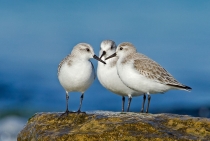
63 61
152 70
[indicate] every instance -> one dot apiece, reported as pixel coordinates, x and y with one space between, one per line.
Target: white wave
10 127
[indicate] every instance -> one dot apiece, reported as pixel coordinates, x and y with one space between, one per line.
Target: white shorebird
142 74
108 77
76 73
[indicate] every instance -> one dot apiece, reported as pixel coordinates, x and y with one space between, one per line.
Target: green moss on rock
108 126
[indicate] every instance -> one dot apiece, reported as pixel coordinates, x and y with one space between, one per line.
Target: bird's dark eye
87 49
121 48
112 47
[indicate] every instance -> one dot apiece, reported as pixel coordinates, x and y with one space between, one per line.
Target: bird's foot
66 113
79 111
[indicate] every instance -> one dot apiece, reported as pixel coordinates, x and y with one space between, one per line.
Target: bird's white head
85 51
108 47
123 49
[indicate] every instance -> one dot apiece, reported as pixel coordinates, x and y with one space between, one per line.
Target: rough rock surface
114 126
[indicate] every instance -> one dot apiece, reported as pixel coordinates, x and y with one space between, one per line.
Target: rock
116 126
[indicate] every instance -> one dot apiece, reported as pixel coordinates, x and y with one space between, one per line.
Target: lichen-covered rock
116 126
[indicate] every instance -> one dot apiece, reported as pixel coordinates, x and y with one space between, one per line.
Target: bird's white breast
108 77
77 76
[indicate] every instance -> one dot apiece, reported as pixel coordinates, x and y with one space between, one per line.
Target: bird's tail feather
183 87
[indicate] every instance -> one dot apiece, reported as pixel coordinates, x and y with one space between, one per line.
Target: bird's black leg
149 98
67 109
129 103
144 98
123 103
81 99
67 101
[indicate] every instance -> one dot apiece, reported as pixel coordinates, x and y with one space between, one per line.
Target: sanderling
142 74
108 77
76 72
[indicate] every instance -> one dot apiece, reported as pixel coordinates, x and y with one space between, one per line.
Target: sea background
36 35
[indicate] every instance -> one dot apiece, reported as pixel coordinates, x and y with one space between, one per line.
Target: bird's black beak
103 53
96 57
113 55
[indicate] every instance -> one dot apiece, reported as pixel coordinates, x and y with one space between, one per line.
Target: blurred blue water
36 35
